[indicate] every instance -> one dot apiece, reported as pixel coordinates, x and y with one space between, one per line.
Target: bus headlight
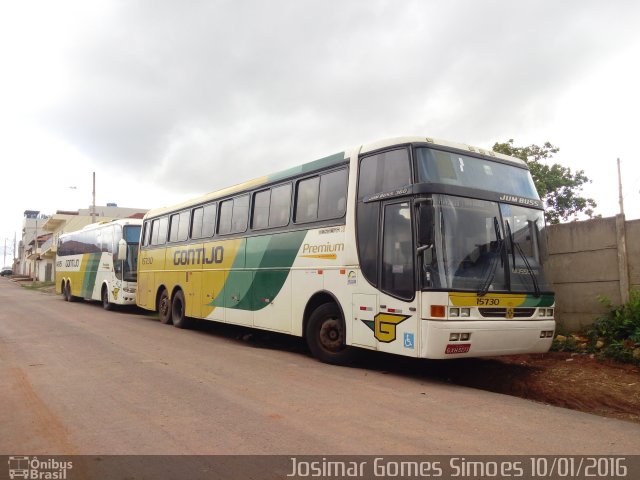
465 312
454 312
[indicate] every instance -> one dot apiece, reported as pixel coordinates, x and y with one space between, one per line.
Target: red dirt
577 381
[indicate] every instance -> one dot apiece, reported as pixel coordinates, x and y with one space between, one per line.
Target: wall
599 257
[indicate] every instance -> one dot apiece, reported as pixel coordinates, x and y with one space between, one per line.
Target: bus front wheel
326 335
105 299
164 307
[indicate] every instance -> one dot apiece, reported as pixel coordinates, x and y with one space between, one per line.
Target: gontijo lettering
198 256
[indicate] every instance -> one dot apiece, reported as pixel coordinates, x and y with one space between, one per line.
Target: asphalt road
79 380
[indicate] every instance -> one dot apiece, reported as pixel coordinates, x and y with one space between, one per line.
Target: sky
167 100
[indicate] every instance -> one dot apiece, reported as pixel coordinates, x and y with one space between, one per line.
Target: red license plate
457 348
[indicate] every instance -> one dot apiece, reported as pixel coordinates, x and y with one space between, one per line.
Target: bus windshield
448 168
131 234
484 246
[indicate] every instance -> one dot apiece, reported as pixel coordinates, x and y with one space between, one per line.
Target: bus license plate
458 348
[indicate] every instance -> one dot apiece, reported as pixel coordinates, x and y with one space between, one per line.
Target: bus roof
104 223
325 162
438 142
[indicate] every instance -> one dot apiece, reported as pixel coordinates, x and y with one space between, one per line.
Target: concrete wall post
623 263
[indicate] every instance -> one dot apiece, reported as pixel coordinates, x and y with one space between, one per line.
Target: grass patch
38 285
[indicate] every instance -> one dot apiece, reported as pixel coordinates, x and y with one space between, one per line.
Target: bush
620 329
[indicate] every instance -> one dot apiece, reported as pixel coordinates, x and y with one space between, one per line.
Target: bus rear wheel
164 307
326 335
177 311
105 299
65 292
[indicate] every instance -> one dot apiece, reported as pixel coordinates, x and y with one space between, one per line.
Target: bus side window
147 234
307 200
209 220
333 194
280 206
226 210
182 227
174 227
240 217
196 222
260 218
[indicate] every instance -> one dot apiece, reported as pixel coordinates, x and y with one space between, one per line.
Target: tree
559 188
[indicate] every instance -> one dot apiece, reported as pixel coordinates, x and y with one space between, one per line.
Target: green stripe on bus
267 264
91 270
541 301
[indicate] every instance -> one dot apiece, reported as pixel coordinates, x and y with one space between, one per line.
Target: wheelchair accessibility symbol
408 340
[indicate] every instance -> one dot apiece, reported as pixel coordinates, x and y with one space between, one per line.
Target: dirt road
78 380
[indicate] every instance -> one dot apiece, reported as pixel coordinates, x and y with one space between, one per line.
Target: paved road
75 379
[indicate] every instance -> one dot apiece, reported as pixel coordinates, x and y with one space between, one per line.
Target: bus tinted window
226 211
107 240
240 218
234 215
261 202
209 220
307 200
147 233
174 227
179 229
384 172
333 195
159 231
280 206
196 222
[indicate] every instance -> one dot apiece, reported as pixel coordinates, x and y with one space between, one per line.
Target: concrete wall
599 257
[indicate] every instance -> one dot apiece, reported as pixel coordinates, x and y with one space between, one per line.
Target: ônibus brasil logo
36 469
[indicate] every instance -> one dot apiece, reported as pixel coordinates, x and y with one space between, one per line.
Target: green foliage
557 186
564 343
620 329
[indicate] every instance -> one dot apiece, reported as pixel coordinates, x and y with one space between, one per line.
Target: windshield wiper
494 261
516 246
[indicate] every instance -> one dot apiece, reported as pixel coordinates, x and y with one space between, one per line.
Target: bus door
388 320
396 322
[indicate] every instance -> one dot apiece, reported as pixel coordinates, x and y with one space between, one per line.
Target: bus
412 246
99 262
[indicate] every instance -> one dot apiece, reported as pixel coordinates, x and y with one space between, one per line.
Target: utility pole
620 200
93 205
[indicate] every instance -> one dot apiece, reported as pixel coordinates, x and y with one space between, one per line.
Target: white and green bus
99 263
412 246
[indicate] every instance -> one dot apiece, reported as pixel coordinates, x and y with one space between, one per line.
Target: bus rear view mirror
122 249
425 223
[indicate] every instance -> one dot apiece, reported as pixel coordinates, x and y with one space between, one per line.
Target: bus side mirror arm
422 248
122 249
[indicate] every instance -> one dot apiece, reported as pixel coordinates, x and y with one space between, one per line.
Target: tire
69 296
65 293
164 307
326 335
177 311
105 299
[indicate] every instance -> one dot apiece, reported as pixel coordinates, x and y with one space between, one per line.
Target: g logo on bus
510 313
384 326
